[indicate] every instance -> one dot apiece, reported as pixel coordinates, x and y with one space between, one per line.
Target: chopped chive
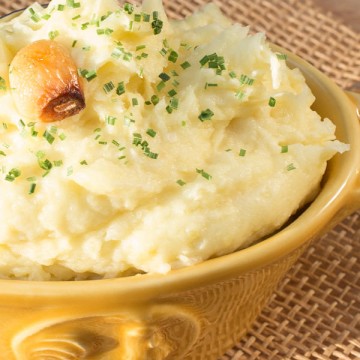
174 73
12 174
155 15
240 95
169 109
134 102
2 153
204 60
173 56
120 88
151 132
290 167
88 75
137 17
53 129
244 79
60 7
204 174
181 182
157 25
62 136
284 149
146 17
172 93
83 162
108 87
74 43
46 17
31 179
163 51
155 99
164 77
2 83
206 115
58 163
174 103
272 102
84 26
21 123
232 74
185 65
73 4
110 119
281 56
53 34
160 85
140 47
210 85
49 137
106 31
242 152
32 188
45 164
76 17
129 8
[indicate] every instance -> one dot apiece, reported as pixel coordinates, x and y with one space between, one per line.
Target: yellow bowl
193 313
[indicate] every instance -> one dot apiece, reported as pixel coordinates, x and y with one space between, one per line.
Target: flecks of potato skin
45 82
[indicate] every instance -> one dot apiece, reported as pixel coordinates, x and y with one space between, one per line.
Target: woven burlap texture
315 313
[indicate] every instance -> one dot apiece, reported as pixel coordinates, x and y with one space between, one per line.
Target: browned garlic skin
45 82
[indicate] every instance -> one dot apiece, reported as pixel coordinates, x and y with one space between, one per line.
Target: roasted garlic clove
45 82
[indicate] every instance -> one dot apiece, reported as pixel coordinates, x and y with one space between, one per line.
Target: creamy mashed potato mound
196 140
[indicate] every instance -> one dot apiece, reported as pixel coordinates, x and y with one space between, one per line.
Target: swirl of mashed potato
196 140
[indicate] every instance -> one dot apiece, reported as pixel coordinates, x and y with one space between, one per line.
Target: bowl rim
145 286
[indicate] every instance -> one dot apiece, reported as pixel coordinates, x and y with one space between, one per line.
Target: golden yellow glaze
192 313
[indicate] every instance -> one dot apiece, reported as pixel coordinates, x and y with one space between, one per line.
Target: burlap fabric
315 314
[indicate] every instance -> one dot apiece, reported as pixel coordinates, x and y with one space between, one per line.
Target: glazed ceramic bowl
193 313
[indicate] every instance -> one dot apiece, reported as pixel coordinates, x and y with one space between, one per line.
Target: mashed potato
196 140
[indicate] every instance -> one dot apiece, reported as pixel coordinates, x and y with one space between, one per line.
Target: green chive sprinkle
164 77
120 88
173 56
108 87
129 8
172 93
204 174
155 99
284 149
206 115
134 102
185 65
290 167
13 174
272 102
281 56
181 182
110 119
2 83
53 34
242 152
32 188
49 137
88 75
160 85
151 132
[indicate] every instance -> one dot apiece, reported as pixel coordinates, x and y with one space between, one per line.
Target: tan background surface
347 10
